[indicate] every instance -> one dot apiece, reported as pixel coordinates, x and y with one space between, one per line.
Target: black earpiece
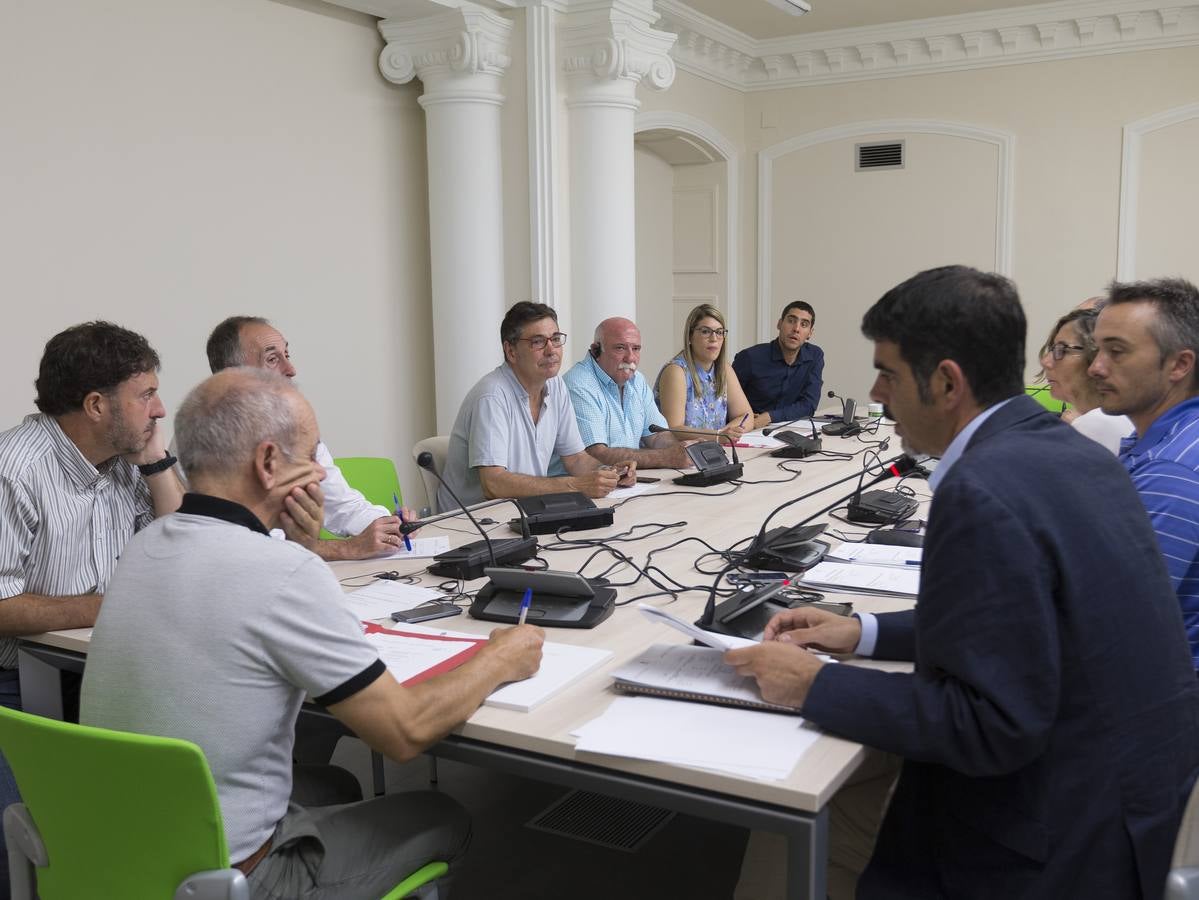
595 351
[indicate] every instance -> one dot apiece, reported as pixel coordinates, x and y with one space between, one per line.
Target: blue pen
911 562
741 424
400 514
524 605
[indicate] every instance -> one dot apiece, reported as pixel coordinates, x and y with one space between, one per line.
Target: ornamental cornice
1010 36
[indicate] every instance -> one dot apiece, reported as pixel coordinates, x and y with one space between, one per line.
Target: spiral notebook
686 672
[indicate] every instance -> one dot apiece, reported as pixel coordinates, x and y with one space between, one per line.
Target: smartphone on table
433 610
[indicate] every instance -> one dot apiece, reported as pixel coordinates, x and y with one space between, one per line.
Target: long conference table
539 744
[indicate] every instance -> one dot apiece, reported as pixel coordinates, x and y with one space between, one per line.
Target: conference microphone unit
883 507
467 562
712 466
847 427
798 446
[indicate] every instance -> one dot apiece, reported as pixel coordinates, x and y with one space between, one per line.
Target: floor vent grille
601 820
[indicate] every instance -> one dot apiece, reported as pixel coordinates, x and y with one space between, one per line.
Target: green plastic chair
374 476
112 814
1040 393
108 814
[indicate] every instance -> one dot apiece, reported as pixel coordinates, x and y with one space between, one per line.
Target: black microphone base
468 561
880 508
809 447
711 476
841 429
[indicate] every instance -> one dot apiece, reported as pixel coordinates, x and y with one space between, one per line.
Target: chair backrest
439 446
374 476
1040 393
121 815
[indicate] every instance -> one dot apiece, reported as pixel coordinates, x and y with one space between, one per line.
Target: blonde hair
705 311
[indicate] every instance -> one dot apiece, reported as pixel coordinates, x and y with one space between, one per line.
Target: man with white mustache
614 405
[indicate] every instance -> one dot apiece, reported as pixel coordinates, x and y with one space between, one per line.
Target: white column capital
459 55
609 51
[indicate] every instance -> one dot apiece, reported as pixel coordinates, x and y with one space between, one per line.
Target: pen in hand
524 606
400 515
741 424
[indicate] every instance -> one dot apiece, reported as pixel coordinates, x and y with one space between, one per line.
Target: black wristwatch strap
161 466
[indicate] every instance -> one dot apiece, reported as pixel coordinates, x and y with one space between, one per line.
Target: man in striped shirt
1148 337
77 480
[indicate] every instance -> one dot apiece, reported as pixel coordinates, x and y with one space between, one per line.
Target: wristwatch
161 466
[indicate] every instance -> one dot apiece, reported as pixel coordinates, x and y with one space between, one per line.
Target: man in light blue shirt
614 406
1148 337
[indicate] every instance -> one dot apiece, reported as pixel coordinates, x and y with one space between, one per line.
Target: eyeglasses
707 332
1060 349
538 341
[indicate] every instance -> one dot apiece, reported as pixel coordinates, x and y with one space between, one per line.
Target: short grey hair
224 347
226 416
1176 301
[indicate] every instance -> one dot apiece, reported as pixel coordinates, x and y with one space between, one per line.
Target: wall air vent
878 156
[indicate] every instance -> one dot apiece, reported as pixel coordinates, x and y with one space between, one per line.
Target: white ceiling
759 20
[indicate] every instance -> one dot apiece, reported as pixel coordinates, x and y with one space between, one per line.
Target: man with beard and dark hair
77 479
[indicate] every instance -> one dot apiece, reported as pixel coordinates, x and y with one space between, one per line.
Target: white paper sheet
422 548
632 491
742 742
561 666
406 657
876 554
719 641
903 581
381 598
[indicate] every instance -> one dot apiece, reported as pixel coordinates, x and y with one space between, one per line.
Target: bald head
619 349
1092 302
228 415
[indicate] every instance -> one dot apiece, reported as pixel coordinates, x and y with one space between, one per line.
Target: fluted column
606 53
460 57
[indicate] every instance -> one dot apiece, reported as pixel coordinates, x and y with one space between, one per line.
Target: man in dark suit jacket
1050 730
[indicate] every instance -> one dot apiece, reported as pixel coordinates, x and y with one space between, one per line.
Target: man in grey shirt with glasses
518 418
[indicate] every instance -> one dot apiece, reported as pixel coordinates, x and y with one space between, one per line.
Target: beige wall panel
842 238
655 244
1169 191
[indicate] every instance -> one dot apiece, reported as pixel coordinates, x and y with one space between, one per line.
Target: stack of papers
631 491
876 554
856 578
711 638
381 598
412 658
735 741
687 672
758 440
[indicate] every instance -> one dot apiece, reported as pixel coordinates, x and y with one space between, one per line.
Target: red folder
471 648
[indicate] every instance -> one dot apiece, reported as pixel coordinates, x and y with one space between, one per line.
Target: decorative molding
608 52
1130 171
1059 30
711 265
725 148
543 165
1003 141
460 55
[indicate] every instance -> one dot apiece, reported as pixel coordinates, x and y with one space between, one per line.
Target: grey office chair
1182 882
439 446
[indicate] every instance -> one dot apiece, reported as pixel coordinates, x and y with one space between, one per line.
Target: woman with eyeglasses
1065 359
698 389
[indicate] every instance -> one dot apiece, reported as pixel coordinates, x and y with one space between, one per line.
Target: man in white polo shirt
371 530
244 627
518 418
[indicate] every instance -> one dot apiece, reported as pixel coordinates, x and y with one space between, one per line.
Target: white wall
167 163
1167 186
1067 119
654 179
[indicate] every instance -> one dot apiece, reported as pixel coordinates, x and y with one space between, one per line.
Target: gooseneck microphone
468 561
899 465
798 446
882 507
847 427
712 466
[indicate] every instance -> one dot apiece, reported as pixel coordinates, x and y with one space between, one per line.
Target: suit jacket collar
1019 410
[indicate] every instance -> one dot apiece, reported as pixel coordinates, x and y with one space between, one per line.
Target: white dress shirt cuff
869 637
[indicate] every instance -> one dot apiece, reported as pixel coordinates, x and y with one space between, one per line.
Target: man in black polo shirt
782 378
